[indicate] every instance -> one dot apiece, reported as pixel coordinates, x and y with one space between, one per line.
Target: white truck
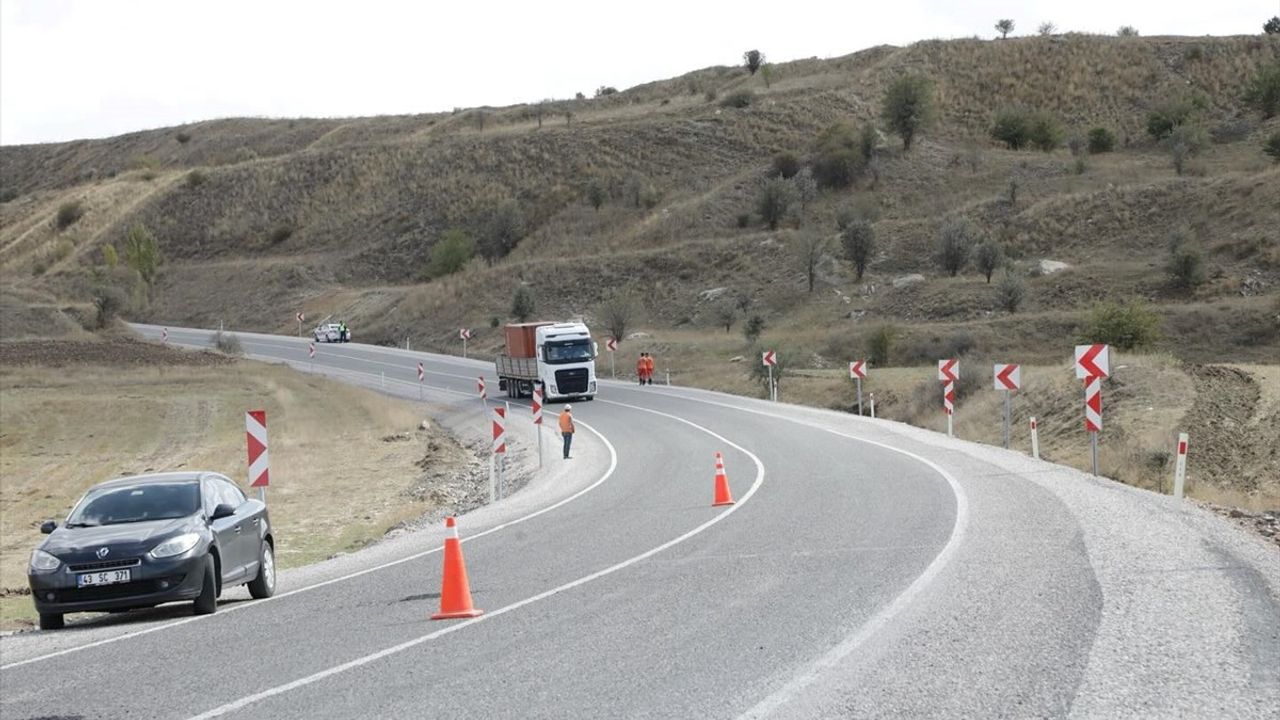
558 357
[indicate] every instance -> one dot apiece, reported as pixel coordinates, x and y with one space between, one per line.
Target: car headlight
175 545
43 562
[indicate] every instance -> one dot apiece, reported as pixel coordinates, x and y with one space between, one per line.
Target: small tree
1272 26
786 165
69 213
522 306
1010 292
752 328
1127 31
1013 128
908 107
806 188
1185 142
808 249
954 242
880 345
1272 146
616 313
766 74
142 253
989 257
858 240
775 197
1004 27
596 193
108 301
753 59
502 230
1046 29
1126 327
837 158
1186 263
1101 140
451 252
1044 133
1263 94
726 314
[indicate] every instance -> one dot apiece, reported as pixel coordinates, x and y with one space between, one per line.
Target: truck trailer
560 358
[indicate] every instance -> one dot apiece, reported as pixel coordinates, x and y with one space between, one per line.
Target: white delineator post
1180 467
873 406
1035 439
422 375
164 335
537 420
255 430
311 355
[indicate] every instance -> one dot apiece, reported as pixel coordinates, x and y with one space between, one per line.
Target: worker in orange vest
566 428
648 368
641 367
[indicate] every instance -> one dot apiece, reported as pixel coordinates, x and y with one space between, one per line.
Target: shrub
605 91
196 178
40 268
709 95
522 305
838 160
227 343
775 197
1127 327
1075 144
880 345
1004 27
744 219
1186 141
108 302
450 254
786 164
501 230
1263 94
1010 292
766 74
1272 146
62 250
279 234
738 99
753 59
989 257
1013 128
1127 31
752 328
183 138
596 193
68 214
858 240
955 239
496 321
1044 133
1101 140
110 257
1272 26
1080 166
1168 116
1186 263
908 107
8 194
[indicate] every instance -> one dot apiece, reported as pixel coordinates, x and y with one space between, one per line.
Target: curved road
867 569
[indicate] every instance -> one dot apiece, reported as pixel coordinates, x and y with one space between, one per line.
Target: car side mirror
222 510
48 526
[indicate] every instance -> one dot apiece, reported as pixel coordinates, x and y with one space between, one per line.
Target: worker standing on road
566 428
641 364
648 368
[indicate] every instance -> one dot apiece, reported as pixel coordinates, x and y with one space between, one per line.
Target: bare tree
809 247
726 314
858 239
616 313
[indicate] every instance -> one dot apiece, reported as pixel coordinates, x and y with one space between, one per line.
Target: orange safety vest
640 366
648 364
566 423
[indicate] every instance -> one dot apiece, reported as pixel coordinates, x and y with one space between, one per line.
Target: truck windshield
568 351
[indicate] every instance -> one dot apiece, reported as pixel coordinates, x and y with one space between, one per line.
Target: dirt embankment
104 351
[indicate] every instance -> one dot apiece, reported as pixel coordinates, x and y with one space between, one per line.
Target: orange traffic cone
722 484
455 593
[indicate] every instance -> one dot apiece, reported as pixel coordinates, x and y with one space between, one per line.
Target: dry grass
336 484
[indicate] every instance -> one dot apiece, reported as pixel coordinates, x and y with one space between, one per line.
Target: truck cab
558 357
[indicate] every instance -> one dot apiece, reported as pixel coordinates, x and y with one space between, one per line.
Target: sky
74 69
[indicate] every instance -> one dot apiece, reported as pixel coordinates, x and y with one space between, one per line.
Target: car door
248 533
224 530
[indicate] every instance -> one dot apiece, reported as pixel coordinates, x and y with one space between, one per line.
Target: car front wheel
264 586
207 602
51 621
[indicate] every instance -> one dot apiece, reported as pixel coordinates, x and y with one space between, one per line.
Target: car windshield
136 503
568 351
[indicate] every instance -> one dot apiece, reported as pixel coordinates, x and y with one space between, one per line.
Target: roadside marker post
948 373
1035 439
164 335
465 334
255 432
611 345
1093 363
873 406
422 375
770 358
537 420
858 371
1180 467
500 445
311 355
1009 379
300 318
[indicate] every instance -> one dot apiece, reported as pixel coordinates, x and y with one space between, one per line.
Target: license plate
106 577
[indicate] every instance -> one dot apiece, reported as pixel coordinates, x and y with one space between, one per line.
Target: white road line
358 662
613 464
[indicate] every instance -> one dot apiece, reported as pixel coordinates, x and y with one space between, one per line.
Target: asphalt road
867 569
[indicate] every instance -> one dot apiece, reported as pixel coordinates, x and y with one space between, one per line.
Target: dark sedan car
141 541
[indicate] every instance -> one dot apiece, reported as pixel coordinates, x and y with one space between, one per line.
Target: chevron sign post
537 420
948 373
422 375
858 371
1009 379
770 359
612 346
255 430
498 458
1093 362
465 334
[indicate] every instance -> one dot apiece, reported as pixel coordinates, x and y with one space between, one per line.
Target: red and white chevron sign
611 344
464 333
949 397
1093 361
1008 377
311 350
949 370
300 317
422 373
255 430
480 388
1093 404
769 358
858 370
537 406
164 335
499 430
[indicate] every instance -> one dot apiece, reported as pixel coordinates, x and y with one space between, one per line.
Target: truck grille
104 565
571 381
